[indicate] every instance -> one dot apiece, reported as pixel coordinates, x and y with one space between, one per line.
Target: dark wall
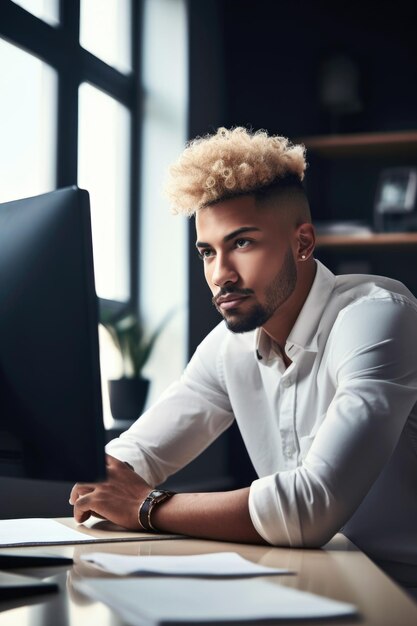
274 55
275 59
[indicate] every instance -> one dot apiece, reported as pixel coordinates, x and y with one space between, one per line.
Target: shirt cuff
267 513
123 453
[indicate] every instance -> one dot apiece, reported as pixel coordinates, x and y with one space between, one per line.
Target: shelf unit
386 240
392 254
372 146
363 144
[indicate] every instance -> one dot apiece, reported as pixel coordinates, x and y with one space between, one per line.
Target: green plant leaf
129 338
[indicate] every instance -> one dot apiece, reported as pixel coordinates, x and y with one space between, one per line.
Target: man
319 371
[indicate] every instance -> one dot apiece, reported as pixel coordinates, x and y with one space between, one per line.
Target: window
76 110
70 85
164 238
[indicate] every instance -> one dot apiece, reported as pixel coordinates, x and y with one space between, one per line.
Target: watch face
157 494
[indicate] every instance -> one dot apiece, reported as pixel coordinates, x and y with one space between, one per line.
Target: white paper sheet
44 532
152 601
34 531
216 564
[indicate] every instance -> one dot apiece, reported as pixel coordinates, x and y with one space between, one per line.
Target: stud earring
303 256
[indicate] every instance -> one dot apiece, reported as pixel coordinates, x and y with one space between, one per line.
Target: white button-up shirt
333 437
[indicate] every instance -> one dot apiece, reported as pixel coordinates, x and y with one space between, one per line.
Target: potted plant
128 394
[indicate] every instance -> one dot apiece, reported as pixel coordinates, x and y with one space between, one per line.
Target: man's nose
224 272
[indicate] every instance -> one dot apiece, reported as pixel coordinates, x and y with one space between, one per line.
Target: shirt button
288 451
287 382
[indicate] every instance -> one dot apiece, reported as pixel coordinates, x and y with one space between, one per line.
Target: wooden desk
338 571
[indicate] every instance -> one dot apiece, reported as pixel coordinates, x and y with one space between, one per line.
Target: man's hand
117 499
222 516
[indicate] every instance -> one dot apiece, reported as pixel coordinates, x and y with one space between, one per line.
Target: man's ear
306 240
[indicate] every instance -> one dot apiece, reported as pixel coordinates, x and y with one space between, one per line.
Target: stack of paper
158 601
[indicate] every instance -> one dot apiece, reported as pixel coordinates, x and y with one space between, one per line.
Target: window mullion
106 78
135 151
67 131
70 19
29 32
68 83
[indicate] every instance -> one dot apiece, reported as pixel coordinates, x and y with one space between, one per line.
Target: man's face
248 261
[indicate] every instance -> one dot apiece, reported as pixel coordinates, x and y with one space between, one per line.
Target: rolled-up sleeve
373 364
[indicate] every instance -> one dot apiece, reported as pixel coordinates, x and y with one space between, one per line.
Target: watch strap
155 497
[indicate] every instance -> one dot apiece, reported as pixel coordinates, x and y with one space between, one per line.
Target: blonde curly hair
230 163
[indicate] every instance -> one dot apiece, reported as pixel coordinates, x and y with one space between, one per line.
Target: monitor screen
51 424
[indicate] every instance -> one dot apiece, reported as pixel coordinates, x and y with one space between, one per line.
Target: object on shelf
342 228
396 200
339 88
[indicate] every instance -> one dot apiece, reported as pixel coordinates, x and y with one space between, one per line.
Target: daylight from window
28 90
105 31
46 10
104 170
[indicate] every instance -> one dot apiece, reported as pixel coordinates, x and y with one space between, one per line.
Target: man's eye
242 243
205 254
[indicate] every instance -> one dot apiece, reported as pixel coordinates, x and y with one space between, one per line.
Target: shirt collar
303 335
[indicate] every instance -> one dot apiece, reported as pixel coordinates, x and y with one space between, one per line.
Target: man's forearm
221 515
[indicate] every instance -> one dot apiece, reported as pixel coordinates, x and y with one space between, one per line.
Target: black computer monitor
51 423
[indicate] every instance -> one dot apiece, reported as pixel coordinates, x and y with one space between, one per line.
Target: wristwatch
155 497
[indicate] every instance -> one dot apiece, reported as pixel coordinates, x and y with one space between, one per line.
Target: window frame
59 46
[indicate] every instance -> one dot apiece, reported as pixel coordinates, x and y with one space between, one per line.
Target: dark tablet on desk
14 586
15 560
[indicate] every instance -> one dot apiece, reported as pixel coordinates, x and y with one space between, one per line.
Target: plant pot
127 397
